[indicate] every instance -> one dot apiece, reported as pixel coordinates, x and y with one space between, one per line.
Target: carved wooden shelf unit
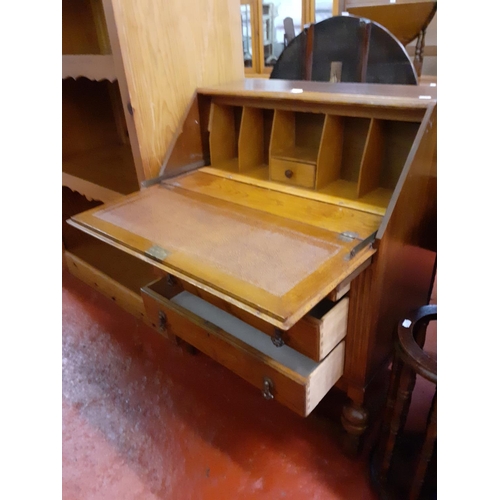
294 224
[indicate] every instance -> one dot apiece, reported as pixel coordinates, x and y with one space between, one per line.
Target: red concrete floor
144 419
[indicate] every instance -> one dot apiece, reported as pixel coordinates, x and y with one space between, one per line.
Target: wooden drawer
282 374
315 335
292 172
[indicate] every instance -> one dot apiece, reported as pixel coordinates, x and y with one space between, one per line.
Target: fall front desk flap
274 266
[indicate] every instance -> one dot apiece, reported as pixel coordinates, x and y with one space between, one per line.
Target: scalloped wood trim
92 66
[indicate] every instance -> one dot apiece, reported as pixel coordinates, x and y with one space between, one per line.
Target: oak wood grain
371 96
162 67
324 215
342 193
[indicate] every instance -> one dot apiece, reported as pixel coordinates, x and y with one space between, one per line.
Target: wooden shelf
114 273
348 190
103 174
119 266
84 28
369 203
91 66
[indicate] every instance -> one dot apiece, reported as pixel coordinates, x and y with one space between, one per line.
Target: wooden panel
96 157
88 120
308 131
330 152
104 174
273 280
333 326
398 141
292 172
283 132
163 66
224 131
316 213
188 147
371 162
345 286
401 276
83 28
291 373
342 193
355 133
345 106
372 97
251 139
325 376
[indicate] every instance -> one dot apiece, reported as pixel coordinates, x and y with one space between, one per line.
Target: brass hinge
355 250
158 253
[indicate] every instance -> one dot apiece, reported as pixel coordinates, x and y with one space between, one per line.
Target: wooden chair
409 360
407 20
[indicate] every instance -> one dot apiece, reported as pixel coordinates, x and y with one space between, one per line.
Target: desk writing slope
274 267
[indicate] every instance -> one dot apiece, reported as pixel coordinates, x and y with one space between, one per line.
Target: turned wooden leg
397 418
419 53
355 421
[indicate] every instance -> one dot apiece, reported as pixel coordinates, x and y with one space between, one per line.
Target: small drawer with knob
292 172
283 374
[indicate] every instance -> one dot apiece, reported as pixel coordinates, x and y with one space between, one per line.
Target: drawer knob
288 174
267 388
277 338
162 321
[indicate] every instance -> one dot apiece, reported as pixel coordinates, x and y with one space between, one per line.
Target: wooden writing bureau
295 223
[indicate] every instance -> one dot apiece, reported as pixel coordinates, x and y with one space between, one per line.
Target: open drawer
282 374
314 335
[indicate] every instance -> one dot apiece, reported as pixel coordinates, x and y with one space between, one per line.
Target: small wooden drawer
292 172
314 335
282 374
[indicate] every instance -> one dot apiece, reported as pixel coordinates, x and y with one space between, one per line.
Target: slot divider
330 151
371 161
251 139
